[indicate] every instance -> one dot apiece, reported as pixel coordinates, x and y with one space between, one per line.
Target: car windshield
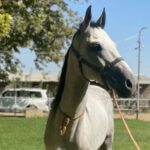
22 93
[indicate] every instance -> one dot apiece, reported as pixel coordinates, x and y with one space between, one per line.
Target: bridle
82 61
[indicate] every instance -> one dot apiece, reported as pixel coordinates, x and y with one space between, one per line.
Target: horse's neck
73 100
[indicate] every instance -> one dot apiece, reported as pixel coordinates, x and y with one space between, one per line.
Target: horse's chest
87 133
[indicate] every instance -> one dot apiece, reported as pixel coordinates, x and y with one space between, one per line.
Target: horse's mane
61 85
62 80
92 24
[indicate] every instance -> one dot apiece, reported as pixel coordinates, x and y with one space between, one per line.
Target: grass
140 131
21 133
27 134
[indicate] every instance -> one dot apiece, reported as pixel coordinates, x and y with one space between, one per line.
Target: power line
134 36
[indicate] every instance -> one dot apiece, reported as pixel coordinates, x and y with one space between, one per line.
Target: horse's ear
87 18
102 19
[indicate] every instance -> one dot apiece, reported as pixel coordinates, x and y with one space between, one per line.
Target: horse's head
98 57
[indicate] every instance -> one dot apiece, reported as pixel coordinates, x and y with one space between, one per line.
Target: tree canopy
5 24
43 26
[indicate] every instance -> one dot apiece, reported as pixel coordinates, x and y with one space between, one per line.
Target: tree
5 24
44 26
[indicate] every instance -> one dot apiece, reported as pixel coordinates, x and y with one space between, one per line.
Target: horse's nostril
128 84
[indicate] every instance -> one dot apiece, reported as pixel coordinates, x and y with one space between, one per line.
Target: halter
105 70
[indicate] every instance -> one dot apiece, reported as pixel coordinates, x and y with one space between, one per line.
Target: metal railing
130 105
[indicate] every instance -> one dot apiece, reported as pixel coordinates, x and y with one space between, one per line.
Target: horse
81 117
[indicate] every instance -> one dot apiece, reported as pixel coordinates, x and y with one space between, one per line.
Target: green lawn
141 133
27 134
21 133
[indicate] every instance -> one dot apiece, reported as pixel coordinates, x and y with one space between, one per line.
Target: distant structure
50 81
35 79
144 87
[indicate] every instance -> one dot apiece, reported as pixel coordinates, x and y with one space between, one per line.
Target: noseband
82 61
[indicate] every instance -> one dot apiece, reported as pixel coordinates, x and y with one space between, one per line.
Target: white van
21 98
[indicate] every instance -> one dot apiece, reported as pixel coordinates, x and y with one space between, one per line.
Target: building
50 81
144 87
35 79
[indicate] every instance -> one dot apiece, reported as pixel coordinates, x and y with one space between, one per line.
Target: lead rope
125 123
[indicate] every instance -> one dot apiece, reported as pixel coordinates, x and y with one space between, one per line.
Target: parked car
20 99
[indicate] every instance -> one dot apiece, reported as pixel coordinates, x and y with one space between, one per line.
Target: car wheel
31 107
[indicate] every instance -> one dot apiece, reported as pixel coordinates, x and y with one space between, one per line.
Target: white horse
82 114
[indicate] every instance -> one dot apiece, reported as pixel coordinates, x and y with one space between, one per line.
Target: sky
125 18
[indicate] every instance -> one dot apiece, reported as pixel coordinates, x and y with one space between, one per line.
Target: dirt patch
12 114
29 113
141 116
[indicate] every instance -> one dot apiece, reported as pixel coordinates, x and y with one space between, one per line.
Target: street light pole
138 76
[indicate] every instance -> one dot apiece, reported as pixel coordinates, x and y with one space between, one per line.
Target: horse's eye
95 47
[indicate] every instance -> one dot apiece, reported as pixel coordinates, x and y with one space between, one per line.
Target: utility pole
138 75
